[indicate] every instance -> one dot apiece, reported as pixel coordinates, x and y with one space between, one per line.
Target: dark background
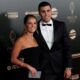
12 28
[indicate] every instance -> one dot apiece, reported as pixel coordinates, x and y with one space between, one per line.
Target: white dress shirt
47 32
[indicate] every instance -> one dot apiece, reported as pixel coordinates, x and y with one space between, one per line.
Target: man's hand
67 73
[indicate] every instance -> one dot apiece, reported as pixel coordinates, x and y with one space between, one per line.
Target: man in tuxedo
54 41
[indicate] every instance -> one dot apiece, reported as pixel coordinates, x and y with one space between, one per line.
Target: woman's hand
33 71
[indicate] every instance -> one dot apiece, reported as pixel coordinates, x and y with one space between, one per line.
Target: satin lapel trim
41 37
54 32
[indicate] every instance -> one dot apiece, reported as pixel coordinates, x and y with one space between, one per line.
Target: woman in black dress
27 46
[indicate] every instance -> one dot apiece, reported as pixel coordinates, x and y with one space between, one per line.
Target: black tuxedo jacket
59 55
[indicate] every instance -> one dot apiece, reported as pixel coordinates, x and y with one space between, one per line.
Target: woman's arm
18 46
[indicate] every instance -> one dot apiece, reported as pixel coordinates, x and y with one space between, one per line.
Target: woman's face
31 25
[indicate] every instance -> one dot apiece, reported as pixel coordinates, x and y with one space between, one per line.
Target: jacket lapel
42 40
54 33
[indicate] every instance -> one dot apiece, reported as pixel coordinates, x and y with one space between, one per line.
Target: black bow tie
46 24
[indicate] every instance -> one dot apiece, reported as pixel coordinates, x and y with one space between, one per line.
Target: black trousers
49 74
52 77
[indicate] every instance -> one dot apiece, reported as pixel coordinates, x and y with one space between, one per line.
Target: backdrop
12 13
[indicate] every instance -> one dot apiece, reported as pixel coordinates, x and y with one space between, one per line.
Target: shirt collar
50 22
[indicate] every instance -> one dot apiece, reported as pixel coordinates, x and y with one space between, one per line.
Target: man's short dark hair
43 4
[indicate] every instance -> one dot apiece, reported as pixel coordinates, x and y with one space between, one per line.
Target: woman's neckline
29 48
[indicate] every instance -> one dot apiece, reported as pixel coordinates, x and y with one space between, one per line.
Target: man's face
45 13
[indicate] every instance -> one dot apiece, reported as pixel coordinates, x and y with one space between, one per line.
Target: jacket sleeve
66 48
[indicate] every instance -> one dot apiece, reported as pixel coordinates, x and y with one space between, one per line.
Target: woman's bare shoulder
19 41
